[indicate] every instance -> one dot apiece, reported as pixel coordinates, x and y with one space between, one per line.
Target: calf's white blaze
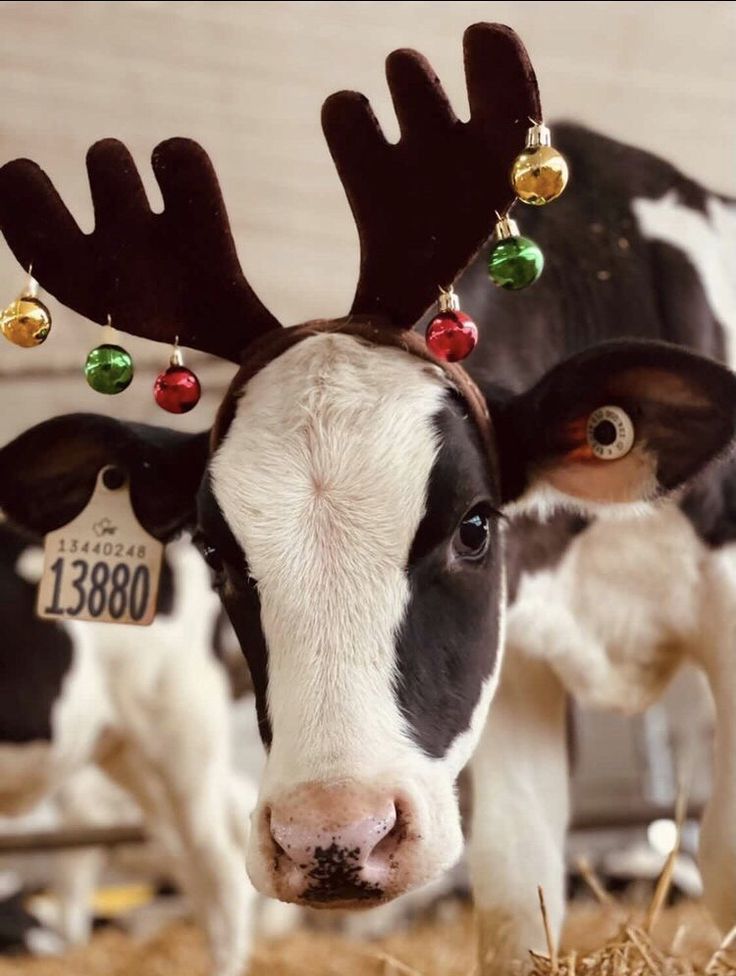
323 478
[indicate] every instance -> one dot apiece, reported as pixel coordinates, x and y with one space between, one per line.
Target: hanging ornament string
177 389
26 322
109 368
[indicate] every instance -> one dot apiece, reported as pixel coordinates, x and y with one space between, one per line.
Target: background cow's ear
682 407
47 475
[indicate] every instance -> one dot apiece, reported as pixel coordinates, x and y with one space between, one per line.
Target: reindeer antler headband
423 207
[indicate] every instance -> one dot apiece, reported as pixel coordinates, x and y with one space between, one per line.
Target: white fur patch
615 616
543 500
709 241
322 478
29 565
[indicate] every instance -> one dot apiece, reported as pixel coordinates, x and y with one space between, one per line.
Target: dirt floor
437 949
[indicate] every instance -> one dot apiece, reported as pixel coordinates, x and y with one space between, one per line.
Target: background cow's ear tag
103 565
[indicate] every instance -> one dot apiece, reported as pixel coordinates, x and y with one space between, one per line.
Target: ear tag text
102 566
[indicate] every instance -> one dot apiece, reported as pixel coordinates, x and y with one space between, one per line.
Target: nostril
278 850
272 830
386 846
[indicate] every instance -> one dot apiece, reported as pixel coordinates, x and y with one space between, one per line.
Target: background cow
607 611
152 710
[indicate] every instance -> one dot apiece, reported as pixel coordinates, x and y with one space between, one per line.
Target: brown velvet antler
157 275
423 208
425 205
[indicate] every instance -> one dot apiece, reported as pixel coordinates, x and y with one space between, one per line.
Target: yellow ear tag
103 565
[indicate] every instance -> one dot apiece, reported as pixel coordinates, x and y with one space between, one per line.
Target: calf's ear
681 406
47 475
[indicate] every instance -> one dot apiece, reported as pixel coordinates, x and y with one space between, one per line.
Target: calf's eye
210 555
472 535
212 558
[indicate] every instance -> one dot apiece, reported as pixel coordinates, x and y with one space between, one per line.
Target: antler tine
424 206
156 275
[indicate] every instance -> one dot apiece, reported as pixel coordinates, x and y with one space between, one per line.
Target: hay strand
594 883
551 946
632 951
718 959
664 882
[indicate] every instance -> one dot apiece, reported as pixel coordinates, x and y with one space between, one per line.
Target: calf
357 497
152 714
607 610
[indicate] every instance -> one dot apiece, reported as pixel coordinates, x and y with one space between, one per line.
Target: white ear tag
610 433
103 565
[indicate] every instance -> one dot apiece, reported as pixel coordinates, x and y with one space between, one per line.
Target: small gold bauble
25 322
539 175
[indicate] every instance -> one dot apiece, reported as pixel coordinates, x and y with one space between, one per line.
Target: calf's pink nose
334 844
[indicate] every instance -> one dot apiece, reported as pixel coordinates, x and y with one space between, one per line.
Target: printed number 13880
100 589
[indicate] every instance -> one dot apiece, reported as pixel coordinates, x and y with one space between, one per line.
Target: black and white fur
331 513
380 662
634 249
151 710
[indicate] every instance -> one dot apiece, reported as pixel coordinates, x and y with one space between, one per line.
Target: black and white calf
152 712
363 514
607 610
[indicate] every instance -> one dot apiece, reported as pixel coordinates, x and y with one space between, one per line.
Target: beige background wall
247 80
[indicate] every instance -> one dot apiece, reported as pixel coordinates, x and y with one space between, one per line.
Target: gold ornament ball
539 175
26 322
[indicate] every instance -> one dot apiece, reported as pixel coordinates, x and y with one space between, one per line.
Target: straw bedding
603 940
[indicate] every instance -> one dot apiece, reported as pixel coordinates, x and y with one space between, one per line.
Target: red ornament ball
177 390
452 336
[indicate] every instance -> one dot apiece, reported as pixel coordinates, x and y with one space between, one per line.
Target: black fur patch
35 655
532 545
48 473
239 596
602 280
448 640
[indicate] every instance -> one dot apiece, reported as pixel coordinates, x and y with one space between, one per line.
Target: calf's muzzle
336 845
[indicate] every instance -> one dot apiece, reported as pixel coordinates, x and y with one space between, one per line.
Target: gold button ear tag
610 433
103 565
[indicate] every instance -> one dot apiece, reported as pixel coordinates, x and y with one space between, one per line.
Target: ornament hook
32 285
177 357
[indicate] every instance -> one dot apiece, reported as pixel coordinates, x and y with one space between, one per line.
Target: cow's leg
75 879
717 655
221 889
181 775
520 813
87 799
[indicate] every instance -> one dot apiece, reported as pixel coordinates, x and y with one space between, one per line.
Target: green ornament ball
109 369
515 263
